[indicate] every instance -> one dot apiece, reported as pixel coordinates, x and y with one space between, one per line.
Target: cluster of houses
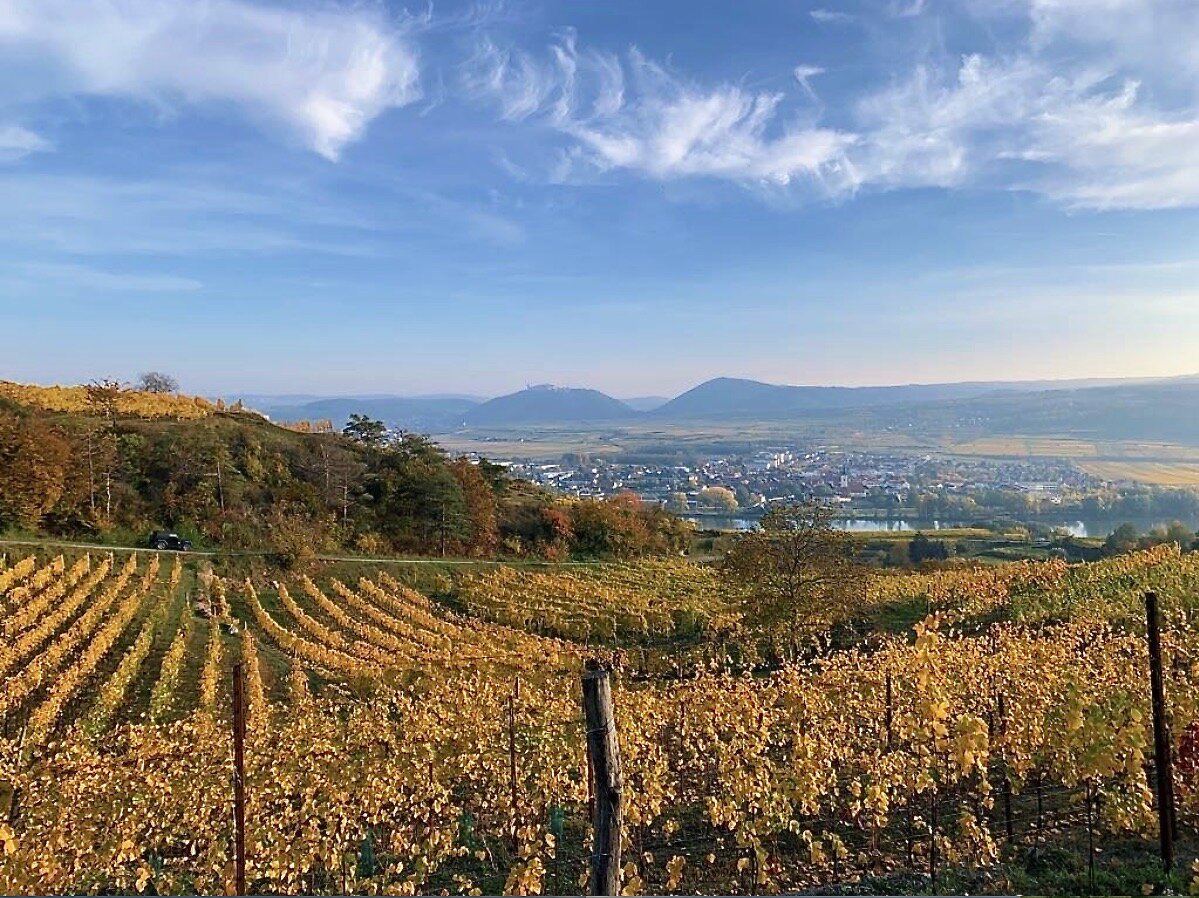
761 477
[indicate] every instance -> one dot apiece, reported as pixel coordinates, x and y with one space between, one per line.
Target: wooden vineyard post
14 794
932 842
239 781
512 766
1161 736
603 750
1040 815
1091 836
1008 825
889 716
908 833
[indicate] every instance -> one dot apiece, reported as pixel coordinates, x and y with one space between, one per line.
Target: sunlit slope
397 746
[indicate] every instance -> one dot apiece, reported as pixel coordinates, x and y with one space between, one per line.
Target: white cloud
1076 105
1088 109
804 75
831 17
1117 152
1093 103
323 74
634 114
928 130
17 142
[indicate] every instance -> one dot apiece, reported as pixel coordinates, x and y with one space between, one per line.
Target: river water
874 525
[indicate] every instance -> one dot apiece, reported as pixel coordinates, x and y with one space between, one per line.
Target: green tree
1124 538
922 549
796 573
366 431
1180 533
417 501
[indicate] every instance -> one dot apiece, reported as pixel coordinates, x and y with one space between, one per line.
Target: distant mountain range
409 412
534 405
729 398
1163 408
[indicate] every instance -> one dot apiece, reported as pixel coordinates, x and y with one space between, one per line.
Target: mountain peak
546 404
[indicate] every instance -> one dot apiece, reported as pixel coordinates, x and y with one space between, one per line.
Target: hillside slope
730 398
232 479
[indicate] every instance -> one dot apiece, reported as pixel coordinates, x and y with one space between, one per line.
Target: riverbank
1094 528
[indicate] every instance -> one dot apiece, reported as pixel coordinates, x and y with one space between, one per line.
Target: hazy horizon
481 393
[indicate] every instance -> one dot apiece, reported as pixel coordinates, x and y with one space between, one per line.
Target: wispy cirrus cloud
832 16
1080 109
804 75
1072 99
905 9
631 113
322 74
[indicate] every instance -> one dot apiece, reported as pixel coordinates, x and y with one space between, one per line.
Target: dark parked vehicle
162 541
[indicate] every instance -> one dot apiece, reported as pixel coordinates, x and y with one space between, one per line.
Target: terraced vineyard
650 599
395 746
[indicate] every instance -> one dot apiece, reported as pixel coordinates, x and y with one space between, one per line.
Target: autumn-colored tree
104 397
481 508
677 503
35 459
559 534
296 536
718 497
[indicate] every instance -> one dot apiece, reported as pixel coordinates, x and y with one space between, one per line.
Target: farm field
549 442
401 741
1148 459
1018 446
1159 473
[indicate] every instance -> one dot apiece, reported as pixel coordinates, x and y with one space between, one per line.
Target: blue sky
364 197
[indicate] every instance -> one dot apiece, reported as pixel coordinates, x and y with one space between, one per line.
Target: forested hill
549 404
107 462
